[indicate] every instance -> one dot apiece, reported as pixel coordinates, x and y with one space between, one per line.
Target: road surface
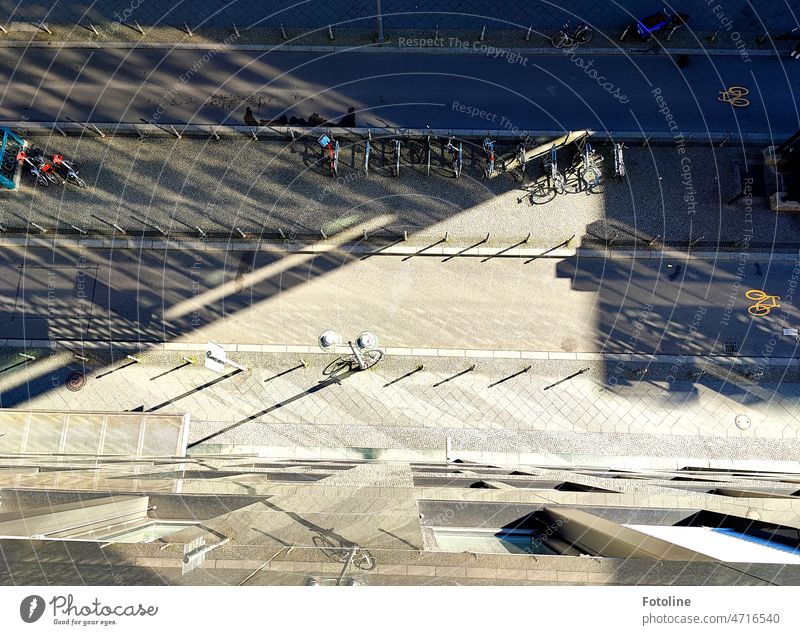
466 91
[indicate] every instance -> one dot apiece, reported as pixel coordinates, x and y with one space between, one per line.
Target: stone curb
234 132
383 48
393 250
193 347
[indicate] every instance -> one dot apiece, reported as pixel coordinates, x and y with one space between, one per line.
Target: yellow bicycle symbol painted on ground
735 96
763 303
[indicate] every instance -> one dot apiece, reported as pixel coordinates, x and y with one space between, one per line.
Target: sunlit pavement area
407 405
162 187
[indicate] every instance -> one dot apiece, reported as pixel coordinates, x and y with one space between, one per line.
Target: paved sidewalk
182 187
552 408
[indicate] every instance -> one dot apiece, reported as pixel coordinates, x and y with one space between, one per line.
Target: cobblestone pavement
265 187
741 15
565 305
279 402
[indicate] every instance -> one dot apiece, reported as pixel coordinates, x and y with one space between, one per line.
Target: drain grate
730 348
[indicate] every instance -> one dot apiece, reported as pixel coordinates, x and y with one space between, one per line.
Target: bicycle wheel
365 560
336 160
76 180
428 170
561 40
42 180
327 547
559 185
591 177
372 357
584 35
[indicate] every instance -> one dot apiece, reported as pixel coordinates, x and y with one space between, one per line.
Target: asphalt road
473 91
398 14
571 305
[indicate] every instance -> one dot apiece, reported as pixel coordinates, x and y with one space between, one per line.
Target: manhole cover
742 422
730 348
75 381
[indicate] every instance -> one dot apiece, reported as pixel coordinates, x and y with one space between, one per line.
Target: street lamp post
366 341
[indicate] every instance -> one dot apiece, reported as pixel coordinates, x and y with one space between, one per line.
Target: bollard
63 134
78 229
624 33
365 235
694 243
255 135
725 140
714 36
200 231
27 356
330 33
527 238
241 233
405 235
283 33
175 132
671 33
98 131
139 28
43 27
324 237
650 243
446 234
39 227
528 35
436 34
81 357
118 228
91 26
214 134
136 360
610 241
280 231
3 29
483 33
2 229
236 31
188 360
188 30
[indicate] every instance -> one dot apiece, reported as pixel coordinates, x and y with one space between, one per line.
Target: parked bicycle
429 149
567 37
355 555
47 168
396 167
522 157
71 174
366 152
39 175
556 179
663 20
456 156
488 148
587 165
330 150
619 160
